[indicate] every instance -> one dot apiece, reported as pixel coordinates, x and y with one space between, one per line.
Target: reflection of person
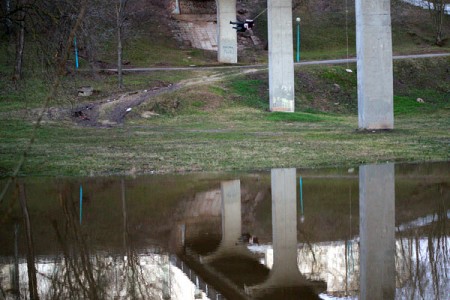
247 238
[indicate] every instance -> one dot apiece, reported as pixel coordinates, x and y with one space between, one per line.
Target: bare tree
437 11
31 267
7 20
44 24
20 41
120 18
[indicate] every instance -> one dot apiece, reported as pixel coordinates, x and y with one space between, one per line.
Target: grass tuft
294 117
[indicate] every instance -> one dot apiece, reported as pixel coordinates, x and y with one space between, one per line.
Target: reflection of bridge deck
235 270
210 291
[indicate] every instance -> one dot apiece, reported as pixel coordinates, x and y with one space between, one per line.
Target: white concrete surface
227 36
374 63
281 55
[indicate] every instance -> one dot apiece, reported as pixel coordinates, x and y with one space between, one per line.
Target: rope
259 14
346 29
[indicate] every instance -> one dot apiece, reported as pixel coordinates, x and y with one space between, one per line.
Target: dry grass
221 125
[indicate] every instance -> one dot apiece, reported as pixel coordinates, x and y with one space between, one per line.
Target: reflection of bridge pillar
231 223
284 272
227 36
284 226
375 75
231 212
377 231
281 55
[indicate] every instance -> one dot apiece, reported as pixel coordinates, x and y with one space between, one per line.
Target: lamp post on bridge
298 39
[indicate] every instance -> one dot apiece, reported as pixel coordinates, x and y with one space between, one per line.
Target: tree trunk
439 10
90 52
119 57
8 17
16 278
32 281
20 45
120 14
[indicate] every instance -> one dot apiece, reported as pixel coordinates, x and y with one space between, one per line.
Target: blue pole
298 39
76 51
81 203
301 196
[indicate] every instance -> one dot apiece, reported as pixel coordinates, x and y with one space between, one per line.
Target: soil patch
112 111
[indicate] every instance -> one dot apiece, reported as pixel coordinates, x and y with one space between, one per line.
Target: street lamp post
298 39
302 213
76 51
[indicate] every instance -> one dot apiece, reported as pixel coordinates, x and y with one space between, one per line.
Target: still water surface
373 232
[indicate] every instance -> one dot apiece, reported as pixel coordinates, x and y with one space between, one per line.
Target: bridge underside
374 53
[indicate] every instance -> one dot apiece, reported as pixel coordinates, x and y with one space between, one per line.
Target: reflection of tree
424 255
85 273
16 283
437 242
134 277
32 281
78 277
342 273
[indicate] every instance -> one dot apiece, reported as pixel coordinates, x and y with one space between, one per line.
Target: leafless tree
44 25
120 18
437 12
20 40
31 267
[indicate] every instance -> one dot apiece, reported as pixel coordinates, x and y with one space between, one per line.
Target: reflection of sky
420 222
414 270
152 267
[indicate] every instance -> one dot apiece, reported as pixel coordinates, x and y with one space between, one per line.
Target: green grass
407 105
188 143
230 137
248 92
28 94
225 125
294 117
339 75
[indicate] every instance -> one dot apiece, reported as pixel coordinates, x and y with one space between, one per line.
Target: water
373 232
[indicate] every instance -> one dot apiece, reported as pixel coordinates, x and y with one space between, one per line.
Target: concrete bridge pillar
374 60
377 231
227 36
281 55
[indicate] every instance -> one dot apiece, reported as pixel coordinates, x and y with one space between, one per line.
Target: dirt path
110 112
265 66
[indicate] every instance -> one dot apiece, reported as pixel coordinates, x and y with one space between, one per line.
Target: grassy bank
219 121
224 126
231 139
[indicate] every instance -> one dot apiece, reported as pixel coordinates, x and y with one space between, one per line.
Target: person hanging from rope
243 26
248 24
